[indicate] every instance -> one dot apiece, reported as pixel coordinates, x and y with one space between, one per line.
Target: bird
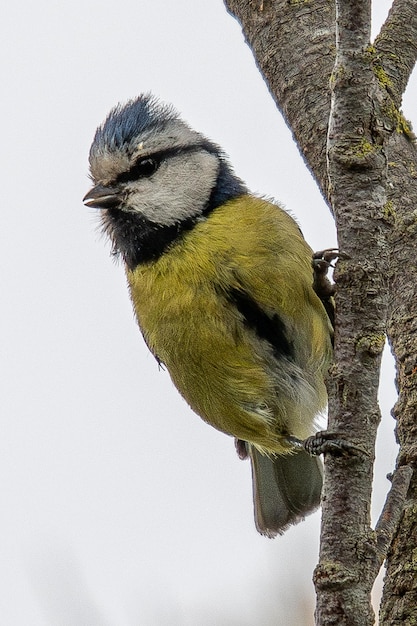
221 283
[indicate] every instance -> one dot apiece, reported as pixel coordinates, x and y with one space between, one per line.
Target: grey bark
341 97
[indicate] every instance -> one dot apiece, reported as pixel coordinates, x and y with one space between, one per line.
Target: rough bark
396 47
368 174
396 52
293 43
357 173
399 602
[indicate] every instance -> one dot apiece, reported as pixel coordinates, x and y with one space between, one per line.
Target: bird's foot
241 449
321 263
326 442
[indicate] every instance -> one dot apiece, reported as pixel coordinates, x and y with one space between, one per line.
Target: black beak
101 197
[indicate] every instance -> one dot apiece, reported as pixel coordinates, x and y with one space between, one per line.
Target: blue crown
126 122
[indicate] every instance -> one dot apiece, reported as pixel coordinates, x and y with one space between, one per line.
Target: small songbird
221 284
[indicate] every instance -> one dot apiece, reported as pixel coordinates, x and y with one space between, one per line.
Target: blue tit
221 285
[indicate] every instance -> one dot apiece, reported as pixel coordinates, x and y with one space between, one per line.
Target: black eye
143 168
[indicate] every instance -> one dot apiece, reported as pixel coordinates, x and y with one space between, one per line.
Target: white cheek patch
178 190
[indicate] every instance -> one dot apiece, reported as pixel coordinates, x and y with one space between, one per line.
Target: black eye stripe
143 168
146 166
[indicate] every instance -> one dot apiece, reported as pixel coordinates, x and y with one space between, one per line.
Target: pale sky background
118 506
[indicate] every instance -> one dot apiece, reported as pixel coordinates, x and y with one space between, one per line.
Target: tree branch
393 509
396 47
399 599
293 46
357 167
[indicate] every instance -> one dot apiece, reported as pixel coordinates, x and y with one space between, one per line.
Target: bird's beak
101 197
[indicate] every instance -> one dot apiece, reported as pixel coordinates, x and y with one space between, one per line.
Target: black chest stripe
270 328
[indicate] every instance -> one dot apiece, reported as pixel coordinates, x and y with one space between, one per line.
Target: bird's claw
325 442
326 256
321 262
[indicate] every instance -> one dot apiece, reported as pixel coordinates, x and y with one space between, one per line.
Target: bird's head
154 177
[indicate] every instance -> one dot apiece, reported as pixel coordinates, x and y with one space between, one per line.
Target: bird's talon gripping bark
325 442
321 262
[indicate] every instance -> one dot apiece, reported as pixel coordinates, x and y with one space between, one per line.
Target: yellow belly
227 374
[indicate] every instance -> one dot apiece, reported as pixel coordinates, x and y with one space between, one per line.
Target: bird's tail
286 488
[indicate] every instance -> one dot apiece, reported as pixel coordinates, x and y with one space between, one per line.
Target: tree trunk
341 98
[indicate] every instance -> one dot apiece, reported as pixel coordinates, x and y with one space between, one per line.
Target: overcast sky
118 506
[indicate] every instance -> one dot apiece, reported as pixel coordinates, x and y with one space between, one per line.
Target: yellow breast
227 374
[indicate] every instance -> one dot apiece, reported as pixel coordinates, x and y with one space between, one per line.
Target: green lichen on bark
371 344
